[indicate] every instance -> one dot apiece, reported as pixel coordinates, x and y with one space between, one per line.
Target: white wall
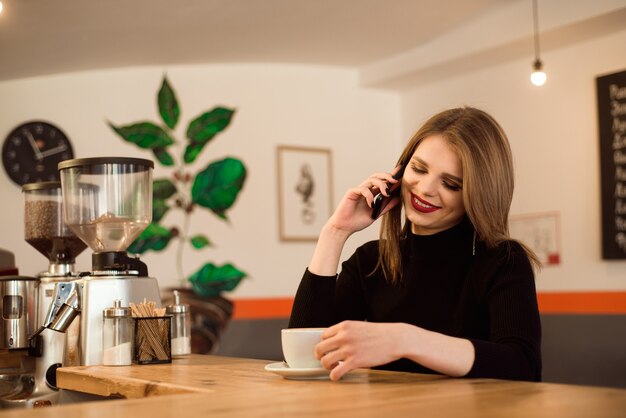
553 132
554 135
290 105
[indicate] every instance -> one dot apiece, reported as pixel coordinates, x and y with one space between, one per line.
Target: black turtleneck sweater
488 297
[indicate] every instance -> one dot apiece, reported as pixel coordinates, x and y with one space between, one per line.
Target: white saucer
298 374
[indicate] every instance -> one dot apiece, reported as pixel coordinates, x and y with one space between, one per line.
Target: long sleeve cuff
502 361
312 306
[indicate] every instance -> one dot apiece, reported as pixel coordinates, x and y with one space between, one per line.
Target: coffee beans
45 230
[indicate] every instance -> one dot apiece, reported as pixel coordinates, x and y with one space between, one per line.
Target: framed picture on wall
540 232
304 191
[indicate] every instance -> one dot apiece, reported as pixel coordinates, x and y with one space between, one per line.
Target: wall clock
32 150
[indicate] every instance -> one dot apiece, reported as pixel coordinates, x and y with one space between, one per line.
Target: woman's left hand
353 344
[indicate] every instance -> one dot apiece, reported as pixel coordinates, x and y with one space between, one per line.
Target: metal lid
79 162
22 278
116 311
177 307
41 185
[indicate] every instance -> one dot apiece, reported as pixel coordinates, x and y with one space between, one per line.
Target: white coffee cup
298 347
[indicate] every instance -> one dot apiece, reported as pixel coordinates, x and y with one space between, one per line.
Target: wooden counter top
206 386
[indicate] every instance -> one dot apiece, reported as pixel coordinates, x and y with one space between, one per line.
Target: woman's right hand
353 214
354 211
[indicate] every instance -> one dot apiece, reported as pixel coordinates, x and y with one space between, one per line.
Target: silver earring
474 244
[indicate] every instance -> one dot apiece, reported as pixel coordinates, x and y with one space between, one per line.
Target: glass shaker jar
117 333
181 326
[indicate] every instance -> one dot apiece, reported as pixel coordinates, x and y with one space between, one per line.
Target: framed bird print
304 191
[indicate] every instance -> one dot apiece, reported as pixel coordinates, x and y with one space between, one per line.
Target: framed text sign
611 93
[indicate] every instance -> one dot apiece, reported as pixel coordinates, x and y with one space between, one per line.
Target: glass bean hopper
107 203
45 230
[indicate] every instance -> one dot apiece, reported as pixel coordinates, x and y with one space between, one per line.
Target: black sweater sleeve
313 303
513 347
322 301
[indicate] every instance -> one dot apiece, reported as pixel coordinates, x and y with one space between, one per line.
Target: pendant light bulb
538 77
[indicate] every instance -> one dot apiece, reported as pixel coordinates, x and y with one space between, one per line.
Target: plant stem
182 238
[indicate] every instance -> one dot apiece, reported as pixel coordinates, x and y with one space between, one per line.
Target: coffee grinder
45 230
107 203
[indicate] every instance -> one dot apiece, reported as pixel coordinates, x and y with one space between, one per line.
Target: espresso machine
45 230
107 203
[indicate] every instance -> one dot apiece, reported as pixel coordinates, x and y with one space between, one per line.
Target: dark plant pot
209 317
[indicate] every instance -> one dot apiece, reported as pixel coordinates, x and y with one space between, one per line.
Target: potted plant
214 188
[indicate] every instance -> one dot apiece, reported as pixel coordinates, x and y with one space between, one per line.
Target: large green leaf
203 128
168 105
154 237
211 280
144 135
159 209
163 189
163 156
209 124
192 151
217 186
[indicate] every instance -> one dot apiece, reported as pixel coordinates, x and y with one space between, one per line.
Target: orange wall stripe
266 308
549 303
582 302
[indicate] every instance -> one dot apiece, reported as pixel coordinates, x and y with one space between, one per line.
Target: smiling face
432 187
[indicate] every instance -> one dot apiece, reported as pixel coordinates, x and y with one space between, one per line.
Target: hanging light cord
536 30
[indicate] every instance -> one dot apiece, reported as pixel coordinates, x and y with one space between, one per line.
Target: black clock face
31 152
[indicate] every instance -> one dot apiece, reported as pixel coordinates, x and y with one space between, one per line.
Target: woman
445 291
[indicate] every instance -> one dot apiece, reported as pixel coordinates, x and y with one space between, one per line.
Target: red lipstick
422 205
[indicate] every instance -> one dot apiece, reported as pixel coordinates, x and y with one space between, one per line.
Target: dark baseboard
584 349
253 338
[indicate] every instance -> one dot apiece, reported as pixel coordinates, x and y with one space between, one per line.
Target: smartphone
381 201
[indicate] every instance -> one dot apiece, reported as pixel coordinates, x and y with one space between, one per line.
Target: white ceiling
39 37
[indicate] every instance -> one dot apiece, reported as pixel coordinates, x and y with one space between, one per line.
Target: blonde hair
485 154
